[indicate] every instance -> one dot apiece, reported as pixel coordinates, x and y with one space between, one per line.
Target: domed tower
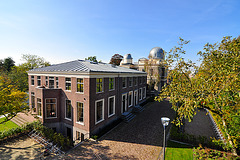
156 53
127 59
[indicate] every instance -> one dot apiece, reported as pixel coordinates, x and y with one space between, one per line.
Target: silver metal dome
156 53
128 56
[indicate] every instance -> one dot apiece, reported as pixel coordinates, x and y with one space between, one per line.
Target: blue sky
67 30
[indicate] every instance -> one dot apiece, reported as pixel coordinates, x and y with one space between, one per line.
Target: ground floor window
99 110
111 106
79 112
33 101
130 99
144 93
51 108
68 109
140 94
39 107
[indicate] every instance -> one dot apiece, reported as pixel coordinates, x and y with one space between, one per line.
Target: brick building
79 98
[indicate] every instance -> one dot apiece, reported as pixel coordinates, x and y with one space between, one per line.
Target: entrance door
124 103
136 97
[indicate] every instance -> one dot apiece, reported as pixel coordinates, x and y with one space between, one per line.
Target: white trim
46 108
136 93
102 85
129 81
113 83
144 88
114 105
78 122
131 98
96 122
80 84
140 94
124 94
125 82
68 82
69 119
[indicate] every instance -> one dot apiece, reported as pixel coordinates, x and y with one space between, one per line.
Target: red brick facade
88 98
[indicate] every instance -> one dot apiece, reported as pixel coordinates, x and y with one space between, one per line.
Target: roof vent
93 62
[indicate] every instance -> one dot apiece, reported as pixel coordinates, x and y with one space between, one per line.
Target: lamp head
165 121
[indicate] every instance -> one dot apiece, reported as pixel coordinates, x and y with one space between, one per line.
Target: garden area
6 125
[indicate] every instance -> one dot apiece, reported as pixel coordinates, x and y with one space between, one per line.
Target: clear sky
67 30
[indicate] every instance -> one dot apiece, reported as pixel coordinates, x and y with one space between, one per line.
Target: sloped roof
85 66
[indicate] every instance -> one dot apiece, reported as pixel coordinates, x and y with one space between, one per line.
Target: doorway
124 103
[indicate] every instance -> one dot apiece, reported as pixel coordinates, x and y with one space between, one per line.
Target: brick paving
139 139
200 125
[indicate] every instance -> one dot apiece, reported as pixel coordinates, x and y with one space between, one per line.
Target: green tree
33 61
12 100
92 58
7 64
214 85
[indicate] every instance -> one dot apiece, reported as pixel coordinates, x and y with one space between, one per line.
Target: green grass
178 151
6 125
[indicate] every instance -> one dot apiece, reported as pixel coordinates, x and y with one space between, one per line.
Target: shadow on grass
178 151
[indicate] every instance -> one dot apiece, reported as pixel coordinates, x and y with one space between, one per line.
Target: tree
33 61
92 58
116 59
12 100
215 85
7 64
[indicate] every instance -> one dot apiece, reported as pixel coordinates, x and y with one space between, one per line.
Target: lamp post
165 122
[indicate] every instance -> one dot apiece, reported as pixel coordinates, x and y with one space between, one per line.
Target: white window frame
131 92
51 79
70 119
114 102
38 79
68 82
97 122
140 94
46 108
144 96
32 80
38 107
126 102
124 78
46 81
135 78
80 84
78 122
136 91
130 79
57 82
113 83
102 85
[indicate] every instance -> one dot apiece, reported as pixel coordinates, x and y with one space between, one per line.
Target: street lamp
165 122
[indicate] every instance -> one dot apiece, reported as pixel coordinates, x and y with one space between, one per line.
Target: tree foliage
12 100
214 85
33 61
116 59
92 58
7 64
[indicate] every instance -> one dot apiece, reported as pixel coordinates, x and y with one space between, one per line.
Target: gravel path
139 139
200 125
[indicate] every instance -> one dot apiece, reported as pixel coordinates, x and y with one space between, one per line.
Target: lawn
6 125
178 151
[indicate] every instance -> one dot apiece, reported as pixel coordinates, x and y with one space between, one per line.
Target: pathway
139 139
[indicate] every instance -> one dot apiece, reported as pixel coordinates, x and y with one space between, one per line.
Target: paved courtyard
139 139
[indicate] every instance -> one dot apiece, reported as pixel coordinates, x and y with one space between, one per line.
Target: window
68 109
99 85
32 80
130 98
68 84
46 80
135 81
79 112
33 101
99 110
140 80
111 106
57 82
39 107
80 85
51 82
39 80
144 93
111 83
51 108
130 81
140 94
124 82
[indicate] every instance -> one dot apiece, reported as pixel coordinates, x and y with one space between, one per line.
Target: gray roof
85 66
